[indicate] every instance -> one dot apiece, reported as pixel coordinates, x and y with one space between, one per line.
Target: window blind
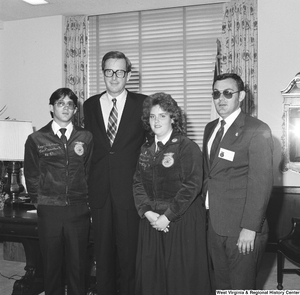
172 50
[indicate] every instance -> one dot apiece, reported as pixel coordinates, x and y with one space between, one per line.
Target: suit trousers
115 243
231 269
63 233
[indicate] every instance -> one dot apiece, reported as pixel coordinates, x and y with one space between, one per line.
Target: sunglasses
226 93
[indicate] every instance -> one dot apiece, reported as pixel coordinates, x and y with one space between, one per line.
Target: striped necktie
112 122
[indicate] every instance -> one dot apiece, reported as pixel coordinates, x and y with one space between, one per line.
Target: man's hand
246 240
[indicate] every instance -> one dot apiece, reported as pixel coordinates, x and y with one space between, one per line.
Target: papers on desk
31 211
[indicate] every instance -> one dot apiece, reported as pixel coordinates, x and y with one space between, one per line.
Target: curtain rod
171 7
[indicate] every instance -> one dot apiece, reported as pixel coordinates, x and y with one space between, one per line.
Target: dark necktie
159 147
112 122
63 137
216 142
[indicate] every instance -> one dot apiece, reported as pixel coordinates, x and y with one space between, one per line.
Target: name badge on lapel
226 154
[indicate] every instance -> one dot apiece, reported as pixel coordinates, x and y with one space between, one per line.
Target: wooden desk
15 221
16 224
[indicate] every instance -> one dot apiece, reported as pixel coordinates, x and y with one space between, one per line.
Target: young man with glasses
56 165
114 118
238 179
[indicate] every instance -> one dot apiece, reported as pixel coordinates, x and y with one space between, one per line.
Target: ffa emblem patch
168 160
78 148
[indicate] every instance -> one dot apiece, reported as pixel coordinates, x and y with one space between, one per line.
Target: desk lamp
13 135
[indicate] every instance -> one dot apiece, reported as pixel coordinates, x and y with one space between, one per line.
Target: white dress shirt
229 121
164 140
107 104
56 127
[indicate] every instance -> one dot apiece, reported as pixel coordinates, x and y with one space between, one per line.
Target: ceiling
11 10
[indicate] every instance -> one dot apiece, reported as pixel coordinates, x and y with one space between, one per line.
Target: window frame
162 62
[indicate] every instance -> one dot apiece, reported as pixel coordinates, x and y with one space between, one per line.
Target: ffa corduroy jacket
169 181
56 175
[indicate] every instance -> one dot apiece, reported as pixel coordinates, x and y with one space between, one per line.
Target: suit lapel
234 131
208 133
99 119
231 135
126 116
210 129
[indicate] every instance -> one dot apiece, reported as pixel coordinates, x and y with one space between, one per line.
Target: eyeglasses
227 94
119 73
62 104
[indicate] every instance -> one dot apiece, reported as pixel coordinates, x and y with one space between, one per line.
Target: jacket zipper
67 172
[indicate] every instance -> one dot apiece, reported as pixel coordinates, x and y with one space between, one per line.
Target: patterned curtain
239 47
75 63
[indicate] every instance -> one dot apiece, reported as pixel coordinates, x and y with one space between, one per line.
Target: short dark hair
237 78
169 105
62 93
116 55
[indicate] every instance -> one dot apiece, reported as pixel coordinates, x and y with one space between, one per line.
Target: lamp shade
13 135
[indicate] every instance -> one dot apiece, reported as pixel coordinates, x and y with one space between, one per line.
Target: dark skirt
174 263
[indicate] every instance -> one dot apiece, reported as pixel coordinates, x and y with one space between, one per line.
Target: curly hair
169 105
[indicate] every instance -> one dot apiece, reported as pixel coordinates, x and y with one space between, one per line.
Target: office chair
289 247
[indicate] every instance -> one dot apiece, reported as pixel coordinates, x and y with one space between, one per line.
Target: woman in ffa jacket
172 254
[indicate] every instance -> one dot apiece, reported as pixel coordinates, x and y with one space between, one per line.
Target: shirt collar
165 139
231 118
56 127
120 97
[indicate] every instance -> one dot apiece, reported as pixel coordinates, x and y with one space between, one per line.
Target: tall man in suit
115 220
237 185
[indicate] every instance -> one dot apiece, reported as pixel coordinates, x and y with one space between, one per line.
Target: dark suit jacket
112 168
239 188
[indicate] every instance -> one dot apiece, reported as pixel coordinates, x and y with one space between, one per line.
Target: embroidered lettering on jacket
168 160
144 160
49 149
78 148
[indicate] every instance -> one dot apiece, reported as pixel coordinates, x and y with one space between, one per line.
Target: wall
28 79
283 205
31 63
278 63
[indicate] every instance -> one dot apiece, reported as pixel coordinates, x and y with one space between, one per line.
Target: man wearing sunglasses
238 179
114 118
